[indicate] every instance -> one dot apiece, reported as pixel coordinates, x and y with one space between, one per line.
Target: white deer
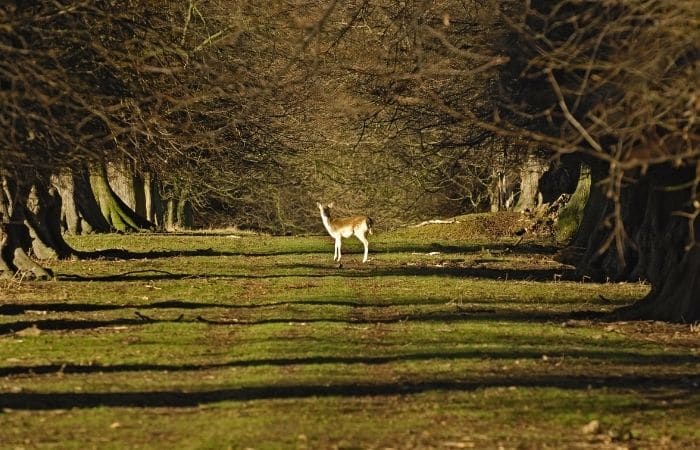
345 227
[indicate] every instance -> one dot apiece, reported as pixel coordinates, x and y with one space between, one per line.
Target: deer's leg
336 255
364 241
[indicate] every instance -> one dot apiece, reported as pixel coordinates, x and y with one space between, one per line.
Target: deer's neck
327 222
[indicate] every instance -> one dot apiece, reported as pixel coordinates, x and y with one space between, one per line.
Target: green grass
243 341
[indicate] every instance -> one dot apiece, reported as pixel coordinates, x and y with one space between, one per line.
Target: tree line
120 115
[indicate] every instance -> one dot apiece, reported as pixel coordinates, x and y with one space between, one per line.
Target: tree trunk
80 212
501 195
595 206
33 225
676 298
664 260
14 260
154 209
570 220
117 213
42 215
178 214
129 186
70 216
184 213
530 174
658 249
619 260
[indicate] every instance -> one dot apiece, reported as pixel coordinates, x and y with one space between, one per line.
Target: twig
565 109
143 317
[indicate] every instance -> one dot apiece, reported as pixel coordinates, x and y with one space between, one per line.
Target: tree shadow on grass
14 309
506 356
324 271
181 399
20 308
382 248
463 314
467 248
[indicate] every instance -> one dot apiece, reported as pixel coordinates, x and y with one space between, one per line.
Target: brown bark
70 216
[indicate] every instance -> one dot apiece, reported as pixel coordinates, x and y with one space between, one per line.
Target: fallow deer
345 227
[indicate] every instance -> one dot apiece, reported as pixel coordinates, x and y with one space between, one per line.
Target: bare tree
616 82
158 86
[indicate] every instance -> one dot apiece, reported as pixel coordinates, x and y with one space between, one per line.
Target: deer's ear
319 205
331 205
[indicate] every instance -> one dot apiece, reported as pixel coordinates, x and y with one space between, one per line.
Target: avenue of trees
129 116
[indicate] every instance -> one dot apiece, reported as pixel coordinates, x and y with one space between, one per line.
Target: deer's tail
370 224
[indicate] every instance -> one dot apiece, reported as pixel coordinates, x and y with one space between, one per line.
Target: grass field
248 341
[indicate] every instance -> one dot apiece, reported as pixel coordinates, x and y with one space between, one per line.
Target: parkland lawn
231 340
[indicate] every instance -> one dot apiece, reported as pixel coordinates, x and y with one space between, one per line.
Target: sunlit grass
252 341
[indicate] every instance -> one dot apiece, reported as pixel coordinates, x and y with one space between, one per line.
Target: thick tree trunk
130 187
117 213
42 218
571 216
122 181
658 251
184 213
178 214
619 260
665 260
80 212
14 261
676 298
70 217
33 226
530 174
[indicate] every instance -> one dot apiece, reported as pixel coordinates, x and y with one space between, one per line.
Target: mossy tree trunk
571 216
178 215
596 204
80 212
129 186
117 213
